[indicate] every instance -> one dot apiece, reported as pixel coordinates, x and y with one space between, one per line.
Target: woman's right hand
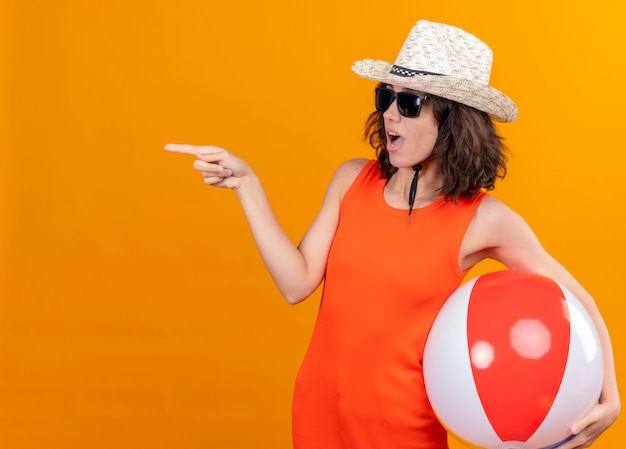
218 167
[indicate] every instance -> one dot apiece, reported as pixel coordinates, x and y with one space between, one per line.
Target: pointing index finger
191 149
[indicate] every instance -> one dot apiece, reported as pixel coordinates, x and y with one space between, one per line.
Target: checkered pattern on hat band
401 71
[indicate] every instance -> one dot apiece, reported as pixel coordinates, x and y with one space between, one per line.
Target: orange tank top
360 385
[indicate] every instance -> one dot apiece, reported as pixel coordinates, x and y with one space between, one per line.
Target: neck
398 186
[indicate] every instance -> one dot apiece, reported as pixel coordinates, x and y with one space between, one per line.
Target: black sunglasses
409 104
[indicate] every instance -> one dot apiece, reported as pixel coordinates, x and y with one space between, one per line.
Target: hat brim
484 98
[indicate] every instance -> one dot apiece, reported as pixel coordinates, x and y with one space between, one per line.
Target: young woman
393 239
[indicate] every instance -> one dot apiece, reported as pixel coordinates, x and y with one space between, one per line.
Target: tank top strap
369 172
468 207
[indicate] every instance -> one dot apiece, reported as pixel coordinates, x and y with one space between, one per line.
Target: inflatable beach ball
512 361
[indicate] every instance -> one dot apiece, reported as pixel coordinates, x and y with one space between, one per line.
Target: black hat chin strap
413 189
418 167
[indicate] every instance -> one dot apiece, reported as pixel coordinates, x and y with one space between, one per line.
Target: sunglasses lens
409 105
384 98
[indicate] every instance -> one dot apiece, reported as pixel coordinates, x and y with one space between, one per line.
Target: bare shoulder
351 168
492 206
494 227
505 235
493 214
345 175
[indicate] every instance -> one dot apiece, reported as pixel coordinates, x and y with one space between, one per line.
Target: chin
401 162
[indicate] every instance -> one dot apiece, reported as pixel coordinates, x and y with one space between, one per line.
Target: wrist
247 183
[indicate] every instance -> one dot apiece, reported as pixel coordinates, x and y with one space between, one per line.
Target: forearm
282 258
295 278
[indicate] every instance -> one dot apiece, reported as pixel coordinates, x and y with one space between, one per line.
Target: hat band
402 71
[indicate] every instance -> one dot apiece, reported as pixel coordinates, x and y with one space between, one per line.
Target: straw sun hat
446 61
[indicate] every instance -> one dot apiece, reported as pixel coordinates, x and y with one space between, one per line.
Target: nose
392 112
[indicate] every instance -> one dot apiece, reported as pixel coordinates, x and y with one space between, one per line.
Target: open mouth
392 139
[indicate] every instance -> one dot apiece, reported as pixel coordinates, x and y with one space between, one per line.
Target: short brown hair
470 153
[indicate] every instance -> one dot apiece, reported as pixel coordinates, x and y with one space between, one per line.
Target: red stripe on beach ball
518 335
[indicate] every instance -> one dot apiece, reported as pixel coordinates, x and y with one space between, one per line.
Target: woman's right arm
297 271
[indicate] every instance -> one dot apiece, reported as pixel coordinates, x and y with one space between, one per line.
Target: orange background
134 308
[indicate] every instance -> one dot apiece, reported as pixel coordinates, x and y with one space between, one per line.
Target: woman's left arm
501 234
